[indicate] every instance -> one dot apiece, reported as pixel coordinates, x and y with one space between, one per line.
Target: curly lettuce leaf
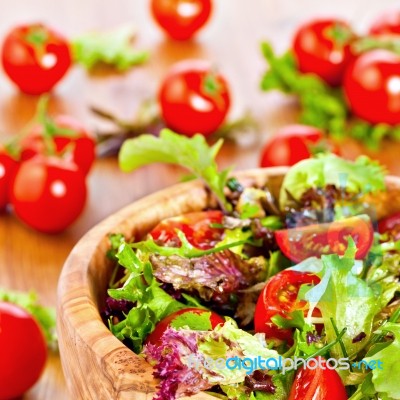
386 379
361 176
187 361
111 48
344 297
45 316
193 153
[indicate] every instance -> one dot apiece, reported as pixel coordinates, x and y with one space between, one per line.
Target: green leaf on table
193 153
45 316
111 48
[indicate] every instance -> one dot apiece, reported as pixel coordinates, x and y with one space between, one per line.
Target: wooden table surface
29 260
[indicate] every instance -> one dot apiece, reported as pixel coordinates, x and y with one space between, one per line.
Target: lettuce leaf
386 379
344 297
360 176
192 153
187 361
111 48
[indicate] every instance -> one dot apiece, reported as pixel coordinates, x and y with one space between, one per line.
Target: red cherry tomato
181 19
386 23
196 226
8 166
75 137
35 57
48 193
23 351
391 226
155 337
322 47
320 383
316 240
290 145
279 296
372 87
194 98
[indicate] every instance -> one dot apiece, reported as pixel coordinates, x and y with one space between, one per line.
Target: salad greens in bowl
264 284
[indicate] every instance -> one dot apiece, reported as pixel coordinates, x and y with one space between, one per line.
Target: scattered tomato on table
35 57
181 19
194 98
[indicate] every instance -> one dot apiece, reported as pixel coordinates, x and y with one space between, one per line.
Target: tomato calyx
340 34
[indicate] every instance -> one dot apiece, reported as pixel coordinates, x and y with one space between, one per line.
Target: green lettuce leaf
361 176
111 48
386 379
193 153
344 297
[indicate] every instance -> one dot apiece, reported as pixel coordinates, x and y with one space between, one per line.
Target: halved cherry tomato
391 226
196 226
372 87
8 167
279 296
194 98
48 193
322 47
315 240
181 19
155 337
386 23
67 133
320 383
290 145
35 57
23 351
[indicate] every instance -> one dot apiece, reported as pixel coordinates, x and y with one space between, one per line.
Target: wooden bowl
96 364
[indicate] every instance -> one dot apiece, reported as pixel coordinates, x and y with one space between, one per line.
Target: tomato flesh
23 351
181 19
194 98
35 58
48 193
155 337
315 240
290 145
372 87
320 383
279 296
78 141
317 51
196 226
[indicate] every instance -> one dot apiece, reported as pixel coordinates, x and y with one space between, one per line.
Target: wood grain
29 260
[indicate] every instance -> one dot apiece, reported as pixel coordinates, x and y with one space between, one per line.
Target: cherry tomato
66 133
163 325
196 226
290 145
314 240
279 296
23 351
372 87
194 98
48 193
391 226
8 166
320 383
181 19
322 47
386 23
35 57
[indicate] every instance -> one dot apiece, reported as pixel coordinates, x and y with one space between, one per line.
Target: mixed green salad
259 296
